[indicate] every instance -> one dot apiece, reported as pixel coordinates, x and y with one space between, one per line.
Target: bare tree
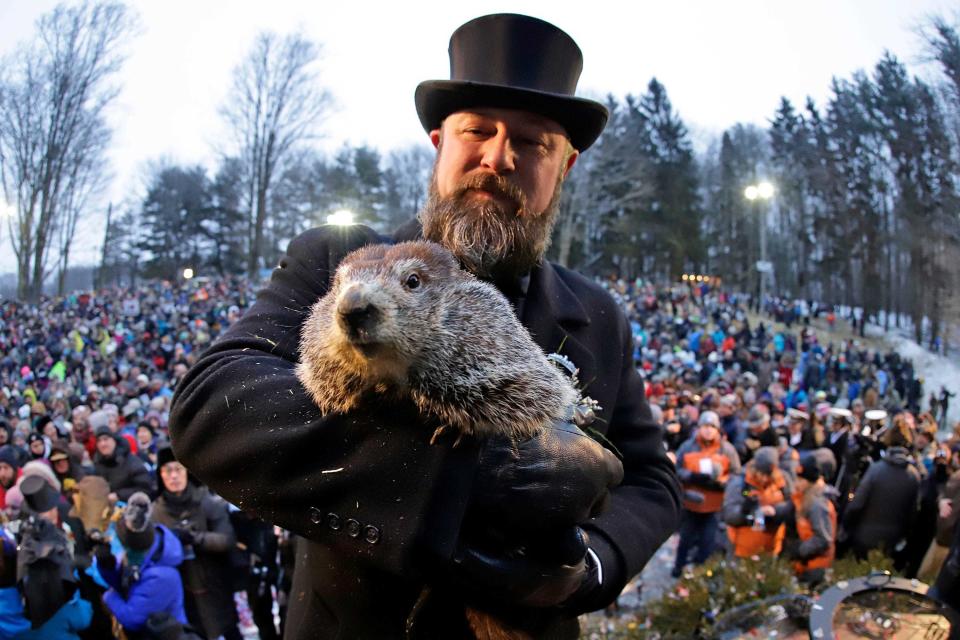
53 94
275 104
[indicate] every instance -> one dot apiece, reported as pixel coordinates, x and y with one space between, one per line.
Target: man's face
174 476
709 432
106 445
7 475
496 187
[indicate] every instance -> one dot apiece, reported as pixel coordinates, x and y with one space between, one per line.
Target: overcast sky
722 62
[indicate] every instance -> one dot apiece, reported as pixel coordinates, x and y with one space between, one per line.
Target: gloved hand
185 536
749 505
487 572
552 481
105 559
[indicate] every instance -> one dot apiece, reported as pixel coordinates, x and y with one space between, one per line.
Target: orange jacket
748 541
703 456
806 532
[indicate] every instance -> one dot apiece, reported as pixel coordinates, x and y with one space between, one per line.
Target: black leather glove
488 573
105 559
749 505
185 536
552 481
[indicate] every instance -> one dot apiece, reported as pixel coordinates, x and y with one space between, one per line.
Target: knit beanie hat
135 529
765 459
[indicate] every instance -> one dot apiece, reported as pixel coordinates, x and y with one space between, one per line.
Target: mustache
492 183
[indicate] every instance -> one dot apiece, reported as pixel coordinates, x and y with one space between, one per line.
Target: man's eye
412 281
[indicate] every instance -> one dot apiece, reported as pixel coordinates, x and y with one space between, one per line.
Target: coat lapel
556 319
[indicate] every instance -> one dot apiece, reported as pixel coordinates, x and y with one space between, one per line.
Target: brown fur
453 345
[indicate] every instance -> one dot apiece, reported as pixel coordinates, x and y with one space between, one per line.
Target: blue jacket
72 617
12 620
159 588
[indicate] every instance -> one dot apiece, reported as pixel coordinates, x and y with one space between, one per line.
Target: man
383 512
704 464
754 506
124 471
759 432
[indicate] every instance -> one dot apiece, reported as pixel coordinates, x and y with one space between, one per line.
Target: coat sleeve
361 483
823 533
219 536
146 598
645 509
138 478
852 513
733 503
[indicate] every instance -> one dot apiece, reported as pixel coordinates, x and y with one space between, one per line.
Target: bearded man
389 523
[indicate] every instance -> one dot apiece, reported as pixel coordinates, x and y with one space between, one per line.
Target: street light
343 217
763 190
187 273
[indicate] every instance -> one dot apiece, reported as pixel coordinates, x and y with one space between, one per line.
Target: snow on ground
937 371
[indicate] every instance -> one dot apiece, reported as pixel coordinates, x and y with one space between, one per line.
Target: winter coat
73 617
809 541
884 504
741 498
124 472
245 425
705 469
207 578
12 620
159 588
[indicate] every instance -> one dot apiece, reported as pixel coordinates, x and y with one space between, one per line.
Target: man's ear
436 138
571 160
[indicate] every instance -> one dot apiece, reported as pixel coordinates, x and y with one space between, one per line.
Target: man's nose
498 154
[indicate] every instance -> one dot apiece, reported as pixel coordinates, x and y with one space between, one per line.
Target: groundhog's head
382 309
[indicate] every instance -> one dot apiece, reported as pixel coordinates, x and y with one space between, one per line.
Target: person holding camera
202 524
754 506
145 588
704 464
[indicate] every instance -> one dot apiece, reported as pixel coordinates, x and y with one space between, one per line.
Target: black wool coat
379 506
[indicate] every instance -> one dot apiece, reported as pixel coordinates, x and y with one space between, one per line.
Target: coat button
315 516
371 534
353 528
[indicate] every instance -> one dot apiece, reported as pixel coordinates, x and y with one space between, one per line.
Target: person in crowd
478 122
147 445
45 560
67 470
759 432
144 583
801 434
754 506
9 472
810 534
704 465
261 570
125 472
884 504
202 524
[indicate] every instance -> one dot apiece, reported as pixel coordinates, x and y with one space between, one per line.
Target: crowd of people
788 444
105 533
784 444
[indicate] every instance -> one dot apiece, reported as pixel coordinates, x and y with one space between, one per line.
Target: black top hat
38 495
517 62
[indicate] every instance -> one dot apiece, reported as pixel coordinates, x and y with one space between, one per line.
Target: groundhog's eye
412 281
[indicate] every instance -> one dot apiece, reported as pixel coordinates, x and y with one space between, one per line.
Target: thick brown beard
493 239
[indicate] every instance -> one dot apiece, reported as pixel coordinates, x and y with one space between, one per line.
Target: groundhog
405 320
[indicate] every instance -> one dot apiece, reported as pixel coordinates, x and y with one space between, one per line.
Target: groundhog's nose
357 313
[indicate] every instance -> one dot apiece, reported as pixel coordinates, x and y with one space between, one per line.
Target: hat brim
582 119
